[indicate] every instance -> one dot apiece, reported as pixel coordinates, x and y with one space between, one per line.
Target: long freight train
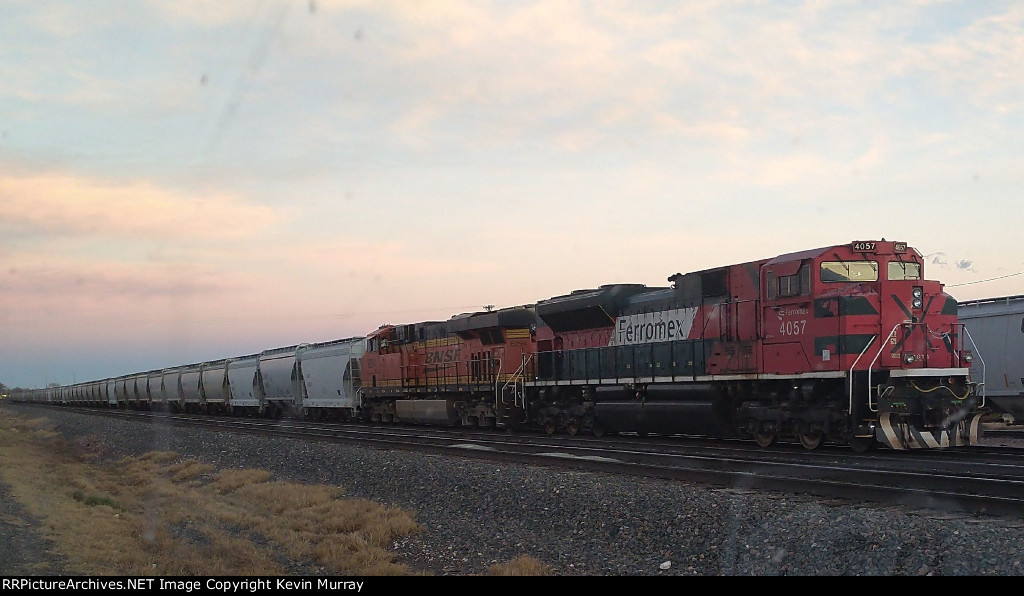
847 344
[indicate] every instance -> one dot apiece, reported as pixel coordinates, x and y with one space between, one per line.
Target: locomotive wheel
550 427
862 444
572 427
764 439
810 442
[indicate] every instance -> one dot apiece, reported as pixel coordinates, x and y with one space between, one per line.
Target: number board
870 246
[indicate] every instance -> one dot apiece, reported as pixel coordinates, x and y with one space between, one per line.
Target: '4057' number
792 327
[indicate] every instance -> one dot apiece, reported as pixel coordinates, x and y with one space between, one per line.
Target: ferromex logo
665 325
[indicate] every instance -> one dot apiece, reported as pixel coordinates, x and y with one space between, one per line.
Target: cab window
849 271
786 286
899 270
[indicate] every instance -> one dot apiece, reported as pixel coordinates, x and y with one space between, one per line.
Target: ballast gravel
476 513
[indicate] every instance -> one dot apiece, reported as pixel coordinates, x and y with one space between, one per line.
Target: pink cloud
67 205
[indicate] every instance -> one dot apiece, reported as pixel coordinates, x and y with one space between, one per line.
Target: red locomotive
845 344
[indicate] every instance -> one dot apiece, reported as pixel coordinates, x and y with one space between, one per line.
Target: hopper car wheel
764 439
597 428
862 444
810 442
572 427
550 427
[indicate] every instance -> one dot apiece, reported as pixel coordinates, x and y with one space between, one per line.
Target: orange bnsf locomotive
845 344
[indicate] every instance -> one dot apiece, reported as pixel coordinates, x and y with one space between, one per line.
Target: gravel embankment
478 513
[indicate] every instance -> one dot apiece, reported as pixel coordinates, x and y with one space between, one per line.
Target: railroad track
978 480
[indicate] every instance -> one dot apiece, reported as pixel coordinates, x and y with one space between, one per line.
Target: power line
981 281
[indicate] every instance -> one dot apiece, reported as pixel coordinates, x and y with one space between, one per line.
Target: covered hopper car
997 326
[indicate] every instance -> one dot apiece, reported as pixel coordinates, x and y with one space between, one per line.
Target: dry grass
523 565
160 514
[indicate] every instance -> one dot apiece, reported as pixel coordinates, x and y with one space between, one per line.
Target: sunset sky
189 180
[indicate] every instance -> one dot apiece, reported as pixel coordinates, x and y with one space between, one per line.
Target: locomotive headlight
918 295
968 357
918 292
909 358
918 303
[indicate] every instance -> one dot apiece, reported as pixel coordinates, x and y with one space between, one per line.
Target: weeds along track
980 480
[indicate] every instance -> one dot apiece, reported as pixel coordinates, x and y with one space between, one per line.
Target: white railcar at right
996 325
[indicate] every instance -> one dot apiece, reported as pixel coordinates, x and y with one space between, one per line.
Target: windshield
899 270
838 271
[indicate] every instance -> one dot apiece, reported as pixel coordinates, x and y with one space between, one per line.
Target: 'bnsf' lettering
443 356
666 325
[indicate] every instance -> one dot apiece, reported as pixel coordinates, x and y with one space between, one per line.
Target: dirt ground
23 551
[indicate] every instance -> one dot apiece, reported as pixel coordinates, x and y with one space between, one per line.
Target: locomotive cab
864 313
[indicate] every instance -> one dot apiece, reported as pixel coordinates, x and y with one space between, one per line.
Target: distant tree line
5 390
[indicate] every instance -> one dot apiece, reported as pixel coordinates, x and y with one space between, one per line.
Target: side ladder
510 396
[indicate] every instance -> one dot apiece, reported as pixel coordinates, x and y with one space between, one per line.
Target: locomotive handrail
871 401
497 379
437 374
854 365
977 353
514 379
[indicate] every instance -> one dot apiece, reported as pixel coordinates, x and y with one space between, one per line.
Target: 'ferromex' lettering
665 325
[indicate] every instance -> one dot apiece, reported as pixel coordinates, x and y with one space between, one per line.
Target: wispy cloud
62 205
